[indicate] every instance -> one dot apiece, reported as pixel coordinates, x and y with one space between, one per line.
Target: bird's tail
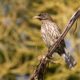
70 61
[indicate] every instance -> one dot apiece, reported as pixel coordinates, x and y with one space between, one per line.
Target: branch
38 73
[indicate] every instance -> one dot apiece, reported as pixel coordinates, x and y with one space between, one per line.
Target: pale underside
50 32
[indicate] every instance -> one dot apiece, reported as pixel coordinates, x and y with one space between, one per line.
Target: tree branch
39 72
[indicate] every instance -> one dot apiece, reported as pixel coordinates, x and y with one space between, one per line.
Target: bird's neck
46 21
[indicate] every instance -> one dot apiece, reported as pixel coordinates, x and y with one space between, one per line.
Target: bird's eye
39 14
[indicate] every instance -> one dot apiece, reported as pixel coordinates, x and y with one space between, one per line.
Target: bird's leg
49 57
49 48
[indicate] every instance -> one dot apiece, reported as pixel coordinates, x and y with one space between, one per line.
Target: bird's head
43 16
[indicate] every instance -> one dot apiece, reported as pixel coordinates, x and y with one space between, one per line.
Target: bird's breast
50 33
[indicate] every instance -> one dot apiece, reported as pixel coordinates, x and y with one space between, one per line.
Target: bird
50 32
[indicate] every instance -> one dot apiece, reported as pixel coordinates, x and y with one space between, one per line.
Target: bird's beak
36 17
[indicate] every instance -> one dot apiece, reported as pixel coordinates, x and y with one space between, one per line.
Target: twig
44 61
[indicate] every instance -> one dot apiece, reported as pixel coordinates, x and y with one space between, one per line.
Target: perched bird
50 33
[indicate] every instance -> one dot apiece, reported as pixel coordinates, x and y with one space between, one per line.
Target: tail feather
70 61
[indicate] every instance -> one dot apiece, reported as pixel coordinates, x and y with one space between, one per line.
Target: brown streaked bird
50 33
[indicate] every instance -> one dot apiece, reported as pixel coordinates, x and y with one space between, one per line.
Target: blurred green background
21 45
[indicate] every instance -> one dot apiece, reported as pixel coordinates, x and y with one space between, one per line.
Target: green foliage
21 45
2 58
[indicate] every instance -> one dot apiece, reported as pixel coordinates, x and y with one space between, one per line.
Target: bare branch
38 73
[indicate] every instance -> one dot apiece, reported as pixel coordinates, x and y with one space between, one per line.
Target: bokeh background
21 45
